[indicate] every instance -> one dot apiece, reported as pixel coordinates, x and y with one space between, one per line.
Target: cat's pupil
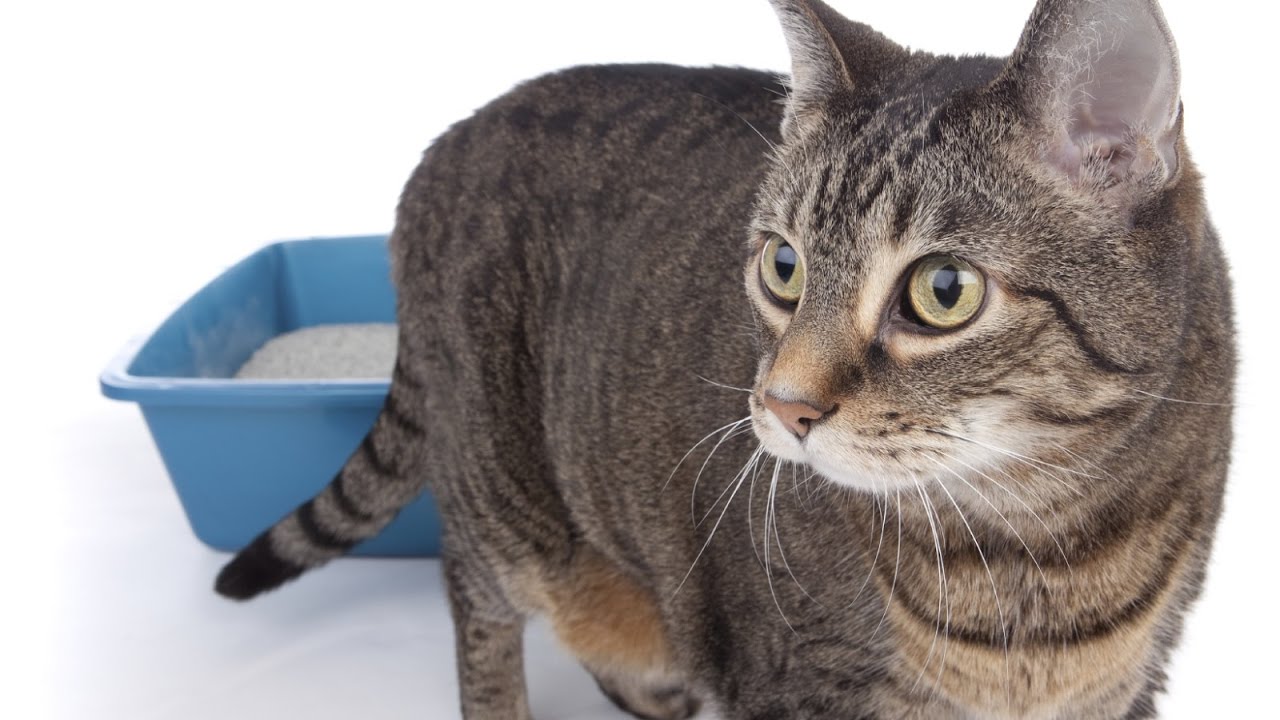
784 263
946 286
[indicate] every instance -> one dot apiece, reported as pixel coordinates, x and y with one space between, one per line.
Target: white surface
137 632
144 147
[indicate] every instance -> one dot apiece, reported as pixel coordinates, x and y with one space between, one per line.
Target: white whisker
1184 402
995 593
1106 473
1025 506
768 518
745 469
1012 454
722 385
992 505
751 493
693 492
777 537
897 496
942 591
946 594
695 447
712 534
766 140
884 520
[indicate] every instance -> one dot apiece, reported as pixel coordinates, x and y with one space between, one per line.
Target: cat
960 330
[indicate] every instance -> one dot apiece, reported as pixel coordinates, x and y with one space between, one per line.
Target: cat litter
323 352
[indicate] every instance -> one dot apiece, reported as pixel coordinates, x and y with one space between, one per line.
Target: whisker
779 93
722 385
897 497
1020 501
745 468
995 593
1106 473
1013 454
751 492
946 632
777 538
884 520
1040 473
695 447
798 483
815 488
1022 485
768 516
712 535
937 549
1184 402
766 140
693 492
992 505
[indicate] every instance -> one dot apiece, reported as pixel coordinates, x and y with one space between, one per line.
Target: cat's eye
945 292
782 271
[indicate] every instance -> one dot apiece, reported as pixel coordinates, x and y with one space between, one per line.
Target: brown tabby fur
1009 519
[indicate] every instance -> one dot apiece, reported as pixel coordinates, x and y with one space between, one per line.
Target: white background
145 147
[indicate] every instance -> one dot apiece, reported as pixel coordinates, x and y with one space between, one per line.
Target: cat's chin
866 480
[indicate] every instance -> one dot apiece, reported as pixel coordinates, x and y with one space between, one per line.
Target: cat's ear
1098 80
830 56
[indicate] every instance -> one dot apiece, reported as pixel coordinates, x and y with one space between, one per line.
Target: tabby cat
969 423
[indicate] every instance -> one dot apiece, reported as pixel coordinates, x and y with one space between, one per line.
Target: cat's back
571 195
579 197
546 201
573 152
596 121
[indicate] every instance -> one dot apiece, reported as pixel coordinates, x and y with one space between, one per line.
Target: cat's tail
380 478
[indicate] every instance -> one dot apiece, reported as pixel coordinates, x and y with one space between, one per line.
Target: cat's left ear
831 56
1099 82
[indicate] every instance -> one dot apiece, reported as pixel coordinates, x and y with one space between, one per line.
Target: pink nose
796 415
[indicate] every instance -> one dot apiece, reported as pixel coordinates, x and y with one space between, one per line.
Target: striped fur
1006 519
372 487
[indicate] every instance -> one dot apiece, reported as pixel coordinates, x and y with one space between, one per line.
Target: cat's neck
1003 610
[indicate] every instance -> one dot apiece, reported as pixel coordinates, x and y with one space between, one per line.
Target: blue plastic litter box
242 453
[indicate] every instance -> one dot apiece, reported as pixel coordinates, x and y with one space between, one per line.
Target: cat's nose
797 415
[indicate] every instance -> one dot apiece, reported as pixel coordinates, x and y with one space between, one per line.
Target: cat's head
971 267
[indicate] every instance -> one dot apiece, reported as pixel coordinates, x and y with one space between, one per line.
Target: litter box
243 453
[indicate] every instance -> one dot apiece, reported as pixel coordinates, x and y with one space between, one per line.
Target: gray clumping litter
326 352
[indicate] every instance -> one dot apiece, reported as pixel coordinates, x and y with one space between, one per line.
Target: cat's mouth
879 458
852 465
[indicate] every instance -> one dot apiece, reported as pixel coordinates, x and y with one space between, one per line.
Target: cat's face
950 290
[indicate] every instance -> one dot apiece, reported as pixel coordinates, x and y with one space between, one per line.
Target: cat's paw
650 700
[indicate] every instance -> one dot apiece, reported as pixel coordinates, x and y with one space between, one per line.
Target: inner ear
1099 79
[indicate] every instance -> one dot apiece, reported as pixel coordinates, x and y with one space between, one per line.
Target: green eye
945 292
782 271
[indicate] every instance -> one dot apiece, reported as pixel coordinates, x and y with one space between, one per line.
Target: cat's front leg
489 640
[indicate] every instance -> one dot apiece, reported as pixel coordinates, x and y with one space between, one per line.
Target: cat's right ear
1098 82
831 56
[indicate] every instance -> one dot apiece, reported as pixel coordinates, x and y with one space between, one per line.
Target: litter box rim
118 384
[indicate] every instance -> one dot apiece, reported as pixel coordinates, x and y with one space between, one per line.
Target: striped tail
379 479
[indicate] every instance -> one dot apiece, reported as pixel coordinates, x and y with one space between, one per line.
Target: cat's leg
612 624
489 640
